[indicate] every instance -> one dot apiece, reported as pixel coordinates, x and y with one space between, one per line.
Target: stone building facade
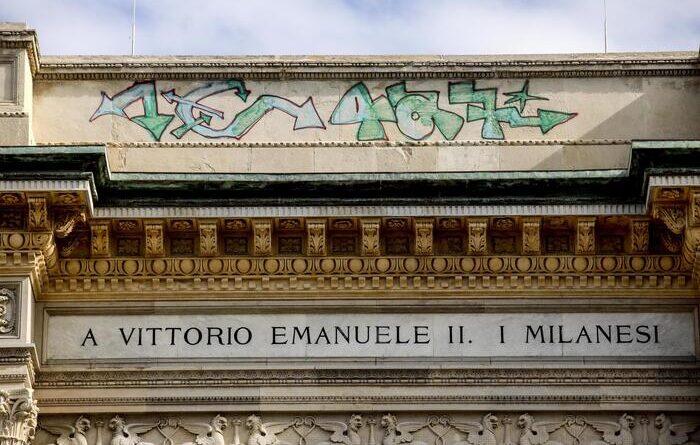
348 250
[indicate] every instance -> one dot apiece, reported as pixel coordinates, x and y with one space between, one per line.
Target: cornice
369 67
23 39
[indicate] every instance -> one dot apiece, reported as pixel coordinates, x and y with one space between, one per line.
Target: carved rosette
18 419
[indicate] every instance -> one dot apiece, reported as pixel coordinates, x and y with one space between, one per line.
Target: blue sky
242 27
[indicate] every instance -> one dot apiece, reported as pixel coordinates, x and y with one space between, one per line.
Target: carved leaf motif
99 240
531 238
640 236
154 240
38 214
586 238
207 241
477 238
370 239
262 240
317 239
424 238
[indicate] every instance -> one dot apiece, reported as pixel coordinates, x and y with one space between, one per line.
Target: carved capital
370 237
316 237
18 419
155 242
531 236
66 222
262 237
38 218
99 239
208 242
423 239
585 236
477 244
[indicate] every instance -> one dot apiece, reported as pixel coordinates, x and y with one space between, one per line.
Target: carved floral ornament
18 419
358 429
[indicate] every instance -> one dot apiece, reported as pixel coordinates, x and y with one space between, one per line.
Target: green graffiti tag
417 113
357 106
151 120
305 115
466 93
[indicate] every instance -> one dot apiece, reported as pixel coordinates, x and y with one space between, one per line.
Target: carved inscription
369 335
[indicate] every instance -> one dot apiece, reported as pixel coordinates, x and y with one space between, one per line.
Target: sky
296 27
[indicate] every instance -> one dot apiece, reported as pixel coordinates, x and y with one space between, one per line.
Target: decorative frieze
386 428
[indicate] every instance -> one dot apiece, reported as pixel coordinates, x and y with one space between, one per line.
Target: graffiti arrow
171 97
545 119
305 115
151 120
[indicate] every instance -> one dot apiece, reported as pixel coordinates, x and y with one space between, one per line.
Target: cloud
237 27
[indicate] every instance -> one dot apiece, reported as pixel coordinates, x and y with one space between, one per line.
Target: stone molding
671 376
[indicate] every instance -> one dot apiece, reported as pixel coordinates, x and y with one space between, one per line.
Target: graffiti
151 120
416 113
466 93
305 115
357 106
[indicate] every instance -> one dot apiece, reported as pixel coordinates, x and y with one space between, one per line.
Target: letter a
89 336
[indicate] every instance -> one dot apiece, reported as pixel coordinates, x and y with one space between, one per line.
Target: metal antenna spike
605 25
133 27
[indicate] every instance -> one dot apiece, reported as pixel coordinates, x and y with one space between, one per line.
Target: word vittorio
417 114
